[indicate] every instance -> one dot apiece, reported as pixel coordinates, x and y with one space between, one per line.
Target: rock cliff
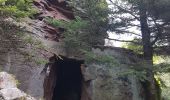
68 78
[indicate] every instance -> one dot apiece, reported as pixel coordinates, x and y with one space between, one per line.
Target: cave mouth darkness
69 79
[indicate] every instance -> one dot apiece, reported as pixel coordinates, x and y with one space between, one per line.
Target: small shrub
17 8
106 60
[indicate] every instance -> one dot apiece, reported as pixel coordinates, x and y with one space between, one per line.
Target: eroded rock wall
41 41
102 82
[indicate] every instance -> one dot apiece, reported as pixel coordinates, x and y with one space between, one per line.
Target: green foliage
95 11
158 59
89 28
35 44
139 74
73 36
106 60
17 8
136 48
72 25
11 34
161 64
162 68
95 14
160 82
126 17
40 61
10 37
165 89
15 80
28 39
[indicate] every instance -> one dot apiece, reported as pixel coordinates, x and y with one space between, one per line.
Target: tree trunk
147 50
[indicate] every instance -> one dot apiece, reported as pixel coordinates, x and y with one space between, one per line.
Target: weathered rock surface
7 81
9 90
27 71
12 93
108 85
102 82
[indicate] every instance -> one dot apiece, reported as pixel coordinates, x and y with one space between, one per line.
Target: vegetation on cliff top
17 8
12 37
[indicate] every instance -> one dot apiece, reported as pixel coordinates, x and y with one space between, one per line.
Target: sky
120 37
128 37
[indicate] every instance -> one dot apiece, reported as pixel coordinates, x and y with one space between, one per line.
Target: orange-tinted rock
53 8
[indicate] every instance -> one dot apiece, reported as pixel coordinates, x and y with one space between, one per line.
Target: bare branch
125 10
128 32
158 34
124 41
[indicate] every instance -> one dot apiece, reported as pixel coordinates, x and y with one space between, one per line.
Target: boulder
7 81
9 90
12 94
28 97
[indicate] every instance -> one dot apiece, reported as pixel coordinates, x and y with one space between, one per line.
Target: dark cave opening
69 80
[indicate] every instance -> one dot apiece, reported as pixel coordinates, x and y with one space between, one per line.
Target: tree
89 27
143 15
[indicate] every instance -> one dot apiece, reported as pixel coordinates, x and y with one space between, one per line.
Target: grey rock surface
102 82
9 90
7 81
12 94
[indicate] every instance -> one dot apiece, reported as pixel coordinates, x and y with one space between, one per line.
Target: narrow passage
69 80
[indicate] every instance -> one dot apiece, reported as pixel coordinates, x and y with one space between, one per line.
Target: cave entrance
68 82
